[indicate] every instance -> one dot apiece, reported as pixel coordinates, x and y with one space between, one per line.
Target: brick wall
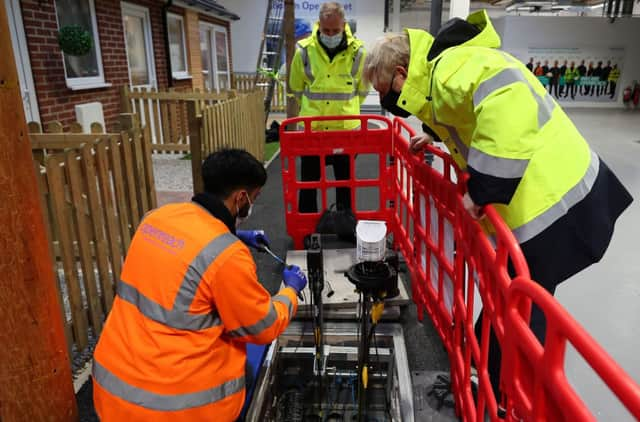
56 101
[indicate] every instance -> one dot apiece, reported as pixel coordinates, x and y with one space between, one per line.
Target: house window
82 72
215 57
177 48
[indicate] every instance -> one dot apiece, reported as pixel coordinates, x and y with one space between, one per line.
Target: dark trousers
612 89
571 89
310 171
538 326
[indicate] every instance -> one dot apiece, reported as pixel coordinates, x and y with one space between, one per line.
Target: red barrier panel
449 257
306 142
450 260
538 389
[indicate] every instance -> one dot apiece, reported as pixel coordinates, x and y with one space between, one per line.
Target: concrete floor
605 298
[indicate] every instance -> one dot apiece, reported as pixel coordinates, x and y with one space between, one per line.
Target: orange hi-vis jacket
173 347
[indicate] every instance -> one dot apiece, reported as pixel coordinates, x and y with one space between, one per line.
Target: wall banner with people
576 74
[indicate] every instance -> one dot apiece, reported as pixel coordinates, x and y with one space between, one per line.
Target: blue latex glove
294 277
254 238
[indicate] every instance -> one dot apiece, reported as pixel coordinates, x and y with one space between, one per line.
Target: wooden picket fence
95 189
166 112
235 123
246 82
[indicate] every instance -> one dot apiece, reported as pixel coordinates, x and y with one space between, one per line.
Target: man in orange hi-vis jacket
173 347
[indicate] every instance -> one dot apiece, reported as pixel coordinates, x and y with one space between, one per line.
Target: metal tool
276 257
281 261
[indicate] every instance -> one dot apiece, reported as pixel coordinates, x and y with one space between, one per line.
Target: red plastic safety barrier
305 142
450 259
539 390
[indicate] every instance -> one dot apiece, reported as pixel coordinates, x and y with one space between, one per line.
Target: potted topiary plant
74 40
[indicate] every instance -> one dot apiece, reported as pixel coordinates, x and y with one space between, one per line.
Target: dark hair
229 169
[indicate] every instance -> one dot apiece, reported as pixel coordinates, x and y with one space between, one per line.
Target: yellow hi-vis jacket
325 87
500 123
614 74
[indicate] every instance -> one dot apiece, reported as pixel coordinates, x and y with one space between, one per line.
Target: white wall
522 32
246 33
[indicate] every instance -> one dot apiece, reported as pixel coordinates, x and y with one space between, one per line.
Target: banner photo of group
576 74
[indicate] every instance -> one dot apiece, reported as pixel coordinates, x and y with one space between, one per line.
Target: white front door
23 64
215 57
136 22
139 46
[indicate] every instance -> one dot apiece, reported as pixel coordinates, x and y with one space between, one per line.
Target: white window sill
181 76
88 86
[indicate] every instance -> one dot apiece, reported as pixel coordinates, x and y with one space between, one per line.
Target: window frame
179 74
86 82
144 13
211 29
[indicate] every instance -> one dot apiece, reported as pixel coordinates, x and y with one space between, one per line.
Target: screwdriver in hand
281 261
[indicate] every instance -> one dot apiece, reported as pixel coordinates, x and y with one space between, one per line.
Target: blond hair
331 8
389 51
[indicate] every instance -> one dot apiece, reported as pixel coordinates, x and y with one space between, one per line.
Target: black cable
386 398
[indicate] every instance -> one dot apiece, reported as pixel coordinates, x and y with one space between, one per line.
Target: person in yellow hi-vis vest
614 75
326 80
571 77
522 152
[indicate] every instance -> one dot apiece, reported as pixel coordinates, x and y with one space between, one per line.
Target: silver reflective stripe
506 77
328 95
258 327
545 108
304 55
356 62
500 80
572 197
285 300
197 268
462 148
172 318
163 402
510 168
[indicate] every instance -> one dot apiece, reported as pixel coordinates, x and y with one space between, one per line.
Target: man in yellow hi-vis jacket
522 152
326 79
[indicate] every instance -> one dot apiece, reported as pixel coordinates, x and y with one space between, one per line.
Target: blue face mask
331 41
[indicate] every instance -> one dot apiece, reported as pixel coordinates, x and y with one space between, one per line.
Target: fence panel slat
109 209
145 141
129 181
166 124
115 165
173 115
135 141
157 126
98 223
88 279
56 180
41 180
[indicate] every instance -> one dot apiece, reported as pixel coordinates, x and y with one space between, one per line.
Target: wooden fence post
34 364
125 102
128 121
195 146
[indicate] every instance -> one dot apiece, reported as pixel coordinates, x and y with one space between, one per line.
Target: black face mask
389 101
